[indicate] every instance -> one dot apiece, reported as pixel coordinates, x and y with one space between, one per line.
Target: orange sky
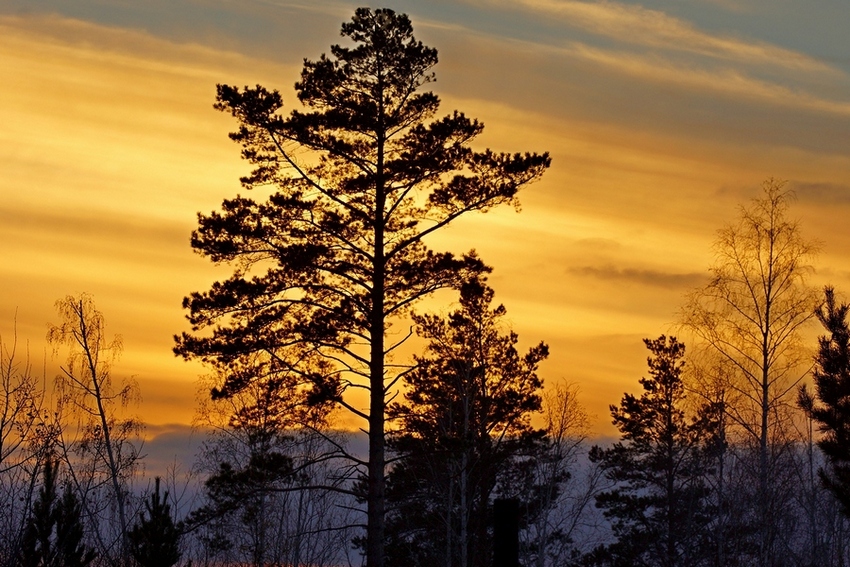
660 117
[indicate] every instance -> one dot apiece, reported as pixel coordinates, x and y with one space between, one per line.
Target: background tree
24 440
557 515
336 253
659 506
54 533
98 446
708 378
750 314
465 433
267 454
829 405
819 532
155 538
21 400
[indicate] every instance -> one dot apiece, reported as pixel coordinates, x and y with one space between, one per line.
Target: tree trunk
112 464
764 519
375 502
721 489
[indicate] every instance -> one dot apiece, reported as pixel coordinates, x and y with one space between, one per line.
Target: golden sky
661 117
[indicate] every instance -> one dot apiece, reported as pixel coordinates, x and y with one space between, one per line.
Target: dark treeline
724 458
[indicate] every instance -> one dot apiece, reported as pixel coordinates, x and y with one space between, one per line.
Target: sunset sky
661 118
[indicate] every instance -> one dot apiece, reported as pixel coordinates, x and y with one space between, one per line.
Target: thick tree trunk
376 481
375 499
375 496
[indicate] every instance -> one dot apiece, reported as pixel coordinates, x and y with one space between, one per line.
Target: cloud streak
110 147
731 82
642 26
682 56
821 194
645 277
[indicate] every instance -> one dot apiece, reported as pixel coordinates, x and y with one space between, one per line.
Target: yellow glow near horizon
109 147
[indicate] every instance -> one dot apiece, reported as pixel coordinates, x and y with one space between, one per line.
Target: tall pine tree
323 266
659 506
465 434
829 406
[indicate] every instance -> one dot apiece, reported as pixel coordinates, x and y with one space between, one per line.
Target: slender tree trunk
813 518
721 489
763 483
114 467
449 501
763 489
672 504
464 509
300 529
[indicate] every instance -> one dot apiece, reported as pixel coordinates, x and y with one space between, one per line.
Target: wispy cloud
685 57
638 25
721 80
647 277
819 193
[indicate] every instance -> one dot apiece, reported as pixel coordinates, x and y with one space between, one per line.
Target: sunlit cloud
720 80
635 24
641 276
54 37
749 72
328 8
109 146
829 194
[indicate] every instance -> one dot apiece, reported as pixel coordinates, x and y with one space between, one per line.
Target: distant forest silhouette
725 456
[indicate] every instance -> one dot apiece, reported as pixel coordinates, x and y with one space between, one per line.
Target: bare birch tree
97 445
750 315
565 491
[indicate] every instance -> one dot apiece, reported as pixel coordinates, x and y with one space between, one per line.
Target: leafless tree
23 441
270 466
750 316
95 441
566 489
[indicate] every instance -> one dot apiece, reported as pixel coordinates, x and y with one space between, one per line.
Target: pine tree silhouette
154 540
54 533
